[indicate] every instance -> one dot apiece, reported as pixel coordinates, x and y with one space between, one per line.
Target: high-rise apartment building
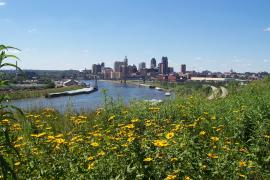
117 66
142 65
183 68
153 63
164 61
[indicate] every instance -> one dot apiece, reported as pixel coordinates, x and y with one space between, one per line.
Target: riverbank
24 94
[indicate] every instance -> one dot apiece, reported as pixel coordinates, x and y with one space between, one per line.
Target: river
86 102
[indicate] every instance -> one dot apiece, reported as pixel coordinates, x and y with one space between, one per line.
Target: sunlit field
189 137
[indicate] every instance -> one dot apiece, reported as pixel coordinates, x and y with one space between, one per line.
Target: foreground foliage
185 138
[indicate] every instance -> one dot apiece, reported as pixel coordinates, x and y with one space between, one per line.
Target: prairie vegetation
189 137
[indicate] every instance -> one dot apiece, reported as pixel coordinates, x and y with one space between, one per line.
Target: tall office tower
160 68
125 67
102 65
153 63
94 69
142 65
183 68
164 61
117 66
98 67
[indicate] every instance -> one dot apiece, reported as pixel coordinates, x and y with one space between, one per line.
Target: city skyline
208 35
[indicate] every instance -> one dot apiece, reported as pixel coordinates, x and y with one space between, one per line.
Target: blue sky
204 34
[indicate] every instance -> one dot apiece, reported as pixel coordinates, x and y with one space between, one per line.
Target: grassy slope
189 137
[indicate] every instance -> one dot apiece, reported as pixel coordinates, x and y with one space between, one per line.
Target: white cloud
32 30
2 3
267 29
266 60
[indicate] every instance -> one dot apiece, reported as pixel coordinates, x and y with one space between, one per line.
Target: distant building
107 73
142 65
96 68
160 66
102 65
117 66
170 70
116 75
71 82
183 69
153 63
125 68
164 61
132 69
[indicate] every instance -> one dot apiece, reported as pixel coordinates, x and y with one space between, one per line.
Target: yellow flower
170 135
111 118
95 144
212 155
101 153
214 139
242 164
91 166
173 159
202 133
148 159
130 139
59 141
59 135
170 177
5 122
187 178
243 150
90 158
160 143
130 126
242 175
134 120
38 135
17 163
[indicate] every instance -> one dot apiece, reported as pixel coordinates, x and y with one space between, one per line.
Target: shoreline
138 84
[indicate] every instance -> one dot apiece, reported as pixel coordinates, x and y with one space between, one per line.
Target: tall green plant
6 117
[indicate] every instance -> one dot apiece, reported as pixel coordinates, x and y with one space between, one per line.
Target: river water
85 102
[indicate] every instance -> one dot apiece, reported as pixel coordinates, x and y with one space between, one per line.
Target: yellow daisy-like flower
242 164
160 143
214 139
187 178
90 158
212 155
91 166
242 175
94 144
171 177
170 135
148 159
202 133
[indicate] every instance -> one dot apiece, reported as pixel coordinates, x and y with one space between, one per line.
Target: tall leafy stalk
6 117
